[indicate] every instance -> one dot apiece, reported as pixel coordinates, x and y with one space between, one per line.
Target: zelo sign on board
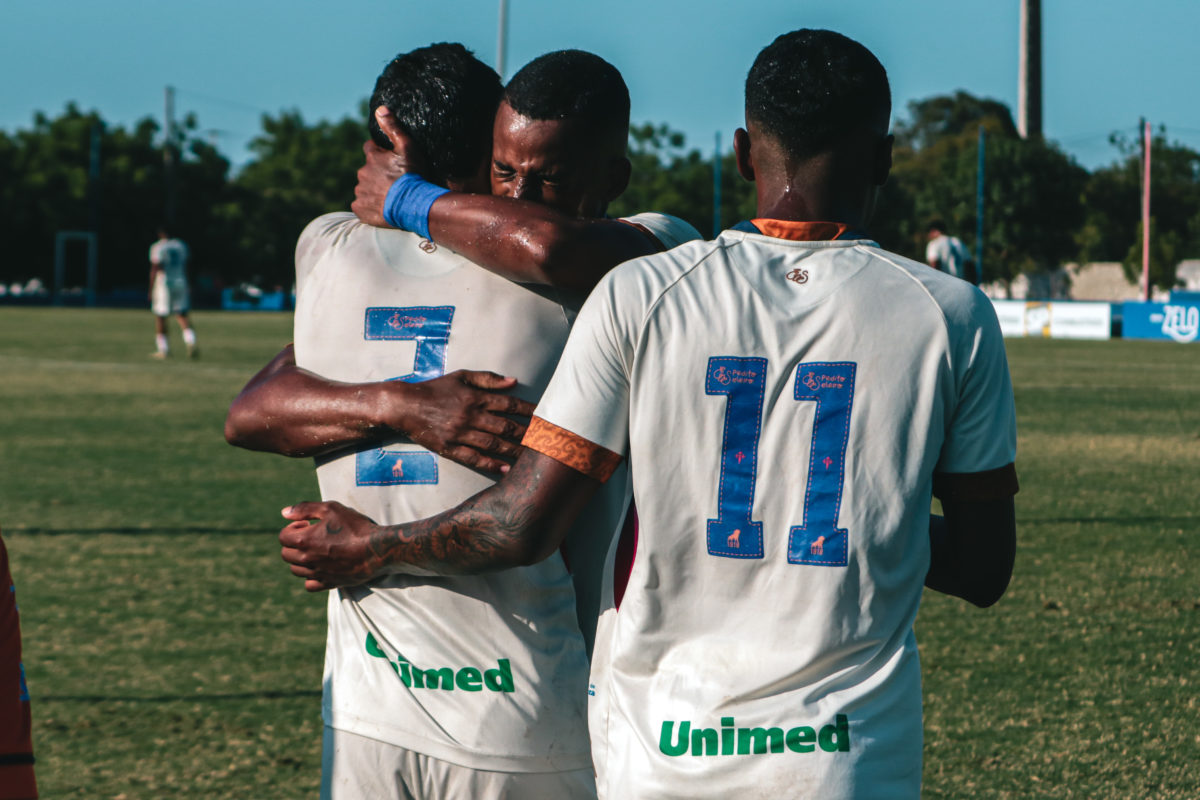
1177 322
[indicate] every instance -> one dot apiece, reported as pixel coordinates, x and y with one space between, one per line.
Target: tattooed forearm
516 522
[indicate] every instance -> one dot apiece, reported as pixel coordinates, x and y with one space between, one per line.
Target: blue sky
1105 62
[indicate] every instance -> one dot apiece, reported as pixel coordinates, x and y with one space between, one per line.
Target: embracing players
454 687
788 397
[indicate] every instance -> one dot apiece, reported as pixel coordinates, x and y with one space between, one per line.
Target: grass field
170 654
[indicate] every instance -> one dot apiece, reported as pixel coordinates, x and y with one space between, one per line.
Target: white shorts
355 767
169 297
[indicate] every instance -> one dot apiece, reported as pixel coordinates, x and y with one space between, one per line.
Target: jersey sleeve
583 417
931 252
670 231
982 432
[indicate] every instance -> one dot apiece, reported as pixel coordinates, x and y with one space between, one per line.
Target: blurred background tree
1041 209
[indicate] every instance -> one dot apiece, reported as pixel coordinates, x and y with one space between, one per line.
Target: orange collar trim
800 231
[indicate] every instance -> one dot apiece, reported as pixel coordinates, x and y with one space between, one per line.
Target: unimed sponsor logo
468 679
730 740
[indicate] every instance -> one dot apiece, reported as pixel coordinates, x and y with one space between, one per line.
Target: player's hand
465 416
382 168
329 545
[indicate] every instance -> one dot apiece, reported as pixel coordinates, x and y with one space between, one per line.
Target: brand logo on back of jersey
823 380
726 376
797 275
400 321
731 740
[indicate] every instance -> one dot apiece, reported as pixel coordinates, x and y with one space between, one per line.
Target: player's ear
389 126
741 152
619 172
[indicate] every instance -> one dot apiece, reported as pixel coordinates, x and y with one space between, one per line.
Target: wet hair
810 89
445 99
573 85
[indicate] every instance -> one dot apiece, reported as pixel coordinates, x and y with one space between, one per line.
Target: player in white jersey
948 254
789 397
469 686
169 292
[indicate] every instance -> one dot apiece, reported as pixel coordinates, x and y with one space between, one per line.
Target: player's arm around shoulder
531 243
518 239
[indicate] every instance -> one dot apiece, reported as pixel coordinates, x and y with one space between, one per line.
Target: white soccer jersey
169 294
488 672
783 405
950 254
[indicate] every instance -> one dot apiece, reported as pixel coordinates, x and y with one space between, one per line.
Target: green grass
170 654
1082 682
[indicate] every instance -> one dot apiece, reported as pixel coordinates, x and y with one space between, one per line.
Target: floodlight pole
1146 210
169 153
1029 88
979 186
502 39
93 208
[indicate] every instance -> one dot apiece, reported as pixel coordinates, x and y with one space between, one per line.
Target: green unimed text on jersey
487 672
784 402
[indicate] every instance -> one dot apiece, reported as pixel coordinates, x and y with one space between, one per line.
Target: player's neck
816 190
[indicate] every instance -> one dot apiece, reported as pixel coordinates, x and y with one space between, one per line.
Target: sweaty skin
555 241
461 415
523 517
545 226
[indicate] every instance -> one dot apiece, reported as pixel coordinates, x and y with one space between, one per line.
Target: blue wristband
408 202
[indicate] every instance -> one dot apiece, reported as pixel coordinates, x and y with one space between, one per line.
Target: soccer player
169 292
461 687
17 781
788 396
947 253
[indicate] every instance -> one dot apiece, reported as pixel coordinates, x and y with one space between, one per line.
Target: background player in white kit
169 294
451 687
789 396
948 254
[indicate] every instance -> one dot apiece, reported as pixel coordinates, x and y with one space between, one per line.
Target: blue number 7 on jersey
429 327
733 534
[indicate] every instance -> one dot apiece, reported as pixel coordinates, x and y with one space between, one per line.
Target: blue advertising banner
1177 322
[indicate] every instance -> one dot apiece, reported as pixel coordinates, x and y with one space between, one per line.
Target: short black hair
938 225
809 89
445 99
572 85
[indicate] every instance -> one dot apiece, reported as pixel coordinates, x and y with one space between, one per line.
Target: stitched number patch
429 327
830 385
742 380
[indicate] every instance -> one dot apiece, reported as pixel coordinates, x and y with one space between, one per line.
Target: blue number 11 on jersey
830 385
